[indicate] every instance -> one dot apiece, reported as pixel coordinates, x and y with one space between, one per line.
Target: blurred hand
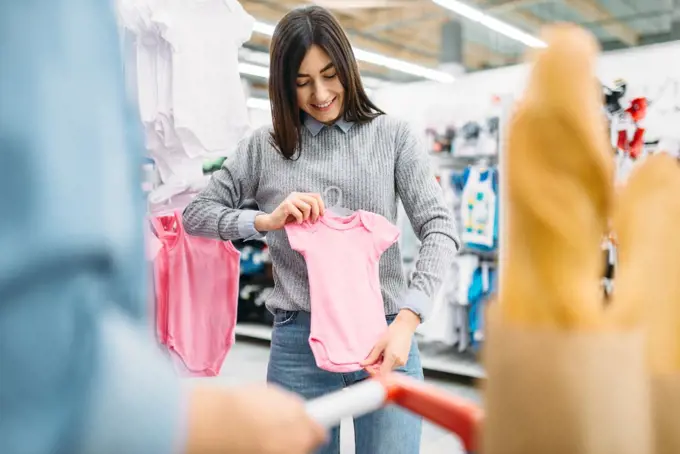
298 207
248 420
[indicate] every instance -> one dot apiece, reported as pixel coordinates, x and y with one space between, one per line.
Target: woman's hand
244 420
395 345
298 207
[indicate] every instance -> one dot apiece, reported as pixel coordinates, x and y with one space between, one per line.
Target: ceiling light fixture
379 59
490 22
250 69
253 70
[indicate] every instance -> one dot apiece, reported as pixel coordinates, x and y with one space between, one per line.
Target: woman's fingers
304 207
322 206
313 202
376 353
293 210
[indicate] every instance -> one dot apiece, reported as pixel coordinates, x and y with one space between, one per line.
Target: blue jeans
390 430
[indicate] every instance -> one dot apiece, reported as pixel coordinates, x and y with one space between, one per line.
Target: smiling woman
313 70
327 133
319 91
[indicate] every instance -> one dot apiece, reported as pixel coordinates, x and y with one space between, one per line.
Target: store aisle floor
247 363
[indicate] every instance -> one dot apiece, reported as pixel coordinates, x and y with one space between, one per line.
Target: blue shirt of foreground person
79 371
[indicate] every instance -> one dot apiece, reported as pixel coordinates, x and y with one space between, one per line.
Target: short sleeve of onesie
244 22
298 235
383 232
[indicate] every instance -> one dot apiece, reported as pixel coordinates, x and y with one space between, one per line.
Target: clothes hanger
337 209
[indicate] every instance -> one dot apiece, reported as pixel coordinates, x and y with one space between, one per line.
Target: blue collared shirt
315 126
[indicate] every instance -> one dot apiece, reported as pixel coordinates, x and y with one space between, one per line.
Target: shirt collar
315 127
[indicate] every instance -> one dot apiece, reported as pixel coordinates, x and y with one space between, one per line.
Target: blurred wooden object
646 220
564 375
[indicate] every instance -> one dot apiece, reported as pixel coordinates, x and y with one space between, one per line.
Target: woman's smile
325 106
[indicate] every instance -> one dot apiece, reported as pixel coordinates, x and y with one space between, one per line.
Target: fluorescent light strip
253 70
264 29
490 22
263 72
378 59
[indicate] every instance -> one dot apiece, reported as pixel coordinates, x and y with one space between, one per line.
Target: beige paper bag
565 393
666 404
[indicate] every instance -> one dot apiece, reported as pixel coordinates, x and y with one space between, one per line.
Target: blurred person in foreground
79 371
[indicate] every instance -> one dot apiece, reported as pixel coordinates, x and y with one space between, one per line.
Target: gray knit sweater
374 165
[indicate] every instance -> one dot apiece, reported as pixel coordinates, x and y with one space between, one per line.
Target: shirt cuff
417 302
246 225
138 404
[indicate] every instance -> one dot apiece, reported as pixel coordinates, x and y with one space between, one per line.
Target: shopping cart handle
450 412
457 415
352 402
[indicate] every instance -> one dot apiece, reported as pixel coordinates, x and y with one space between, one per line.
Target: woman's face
319 91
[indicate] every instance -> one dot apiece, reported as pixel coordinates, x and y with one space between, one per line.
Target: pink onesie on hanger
197 296
342 255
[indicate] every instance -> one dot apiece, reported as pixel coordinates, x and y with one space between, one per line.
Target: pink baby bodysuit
342 255
197 283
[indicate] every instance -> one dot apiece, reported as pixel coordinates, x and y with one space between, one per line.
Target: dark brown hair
294 35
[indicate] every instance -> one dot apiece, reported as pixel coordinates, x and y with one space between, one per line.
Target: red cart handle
452 413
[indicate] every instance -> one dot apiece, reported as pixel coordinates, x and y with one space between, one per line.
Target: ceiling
410 30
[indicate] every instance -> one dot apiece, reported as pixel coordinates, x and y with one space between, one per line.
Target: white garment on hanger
478 210
135 16
466 264
440 326
209 105
163 145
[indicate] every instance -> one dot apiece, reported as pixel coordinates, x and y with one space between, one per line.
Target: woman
326 132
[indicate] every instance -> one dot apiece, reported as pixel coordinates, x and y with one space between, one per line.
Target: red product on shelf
637 111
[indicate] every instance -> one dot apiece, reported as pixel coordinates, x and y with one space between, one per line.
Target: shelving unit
449 161
434 359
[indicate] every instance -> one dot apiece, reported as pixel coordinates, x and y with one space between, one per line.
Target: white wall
432 104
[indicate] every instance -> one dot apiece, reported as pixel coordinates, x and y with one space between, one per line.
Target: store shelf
447 360
491 256
447 160
442 360
254 331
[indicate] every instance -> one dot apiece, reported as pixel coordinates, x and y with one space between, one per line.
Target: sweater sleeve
431 219
217 211
79 370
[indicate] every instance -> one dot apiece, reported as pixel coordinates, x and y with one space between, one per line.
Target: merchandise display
466 148
629 122
639 125
197 286
468 172
181 62
479 206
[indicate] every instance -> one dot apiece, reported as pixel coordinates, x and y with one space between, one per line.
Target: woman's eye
331 76
302 84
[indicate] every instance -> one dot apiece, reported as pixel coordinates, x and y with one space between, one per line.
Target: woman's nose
320 92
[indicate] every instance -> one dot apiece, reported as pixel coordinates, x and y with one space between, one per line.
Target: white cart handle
360 399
